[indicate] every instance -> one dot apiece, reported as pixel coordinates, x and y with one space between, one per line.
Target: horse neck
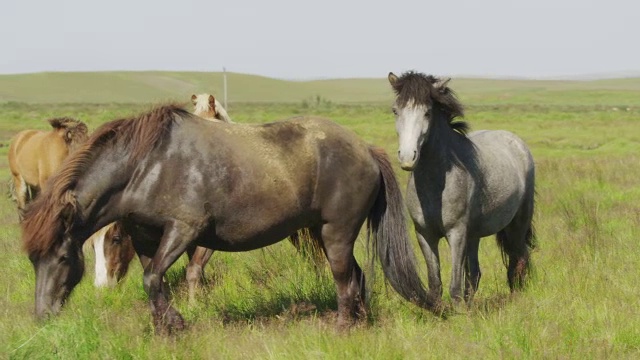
443 148
95 195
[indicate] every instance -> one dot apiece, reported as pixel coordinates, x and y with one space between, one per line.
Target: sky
298 39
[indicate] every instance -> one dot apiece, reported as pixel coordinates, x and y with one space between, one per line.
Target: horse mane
76 131
419 87
64 123
51 213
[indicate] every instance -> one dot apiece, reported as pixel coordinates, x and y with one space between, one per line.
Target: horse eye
63 259
394 111
117 239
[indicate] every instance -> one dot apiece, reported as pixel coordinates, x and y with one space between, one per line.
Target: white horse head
208 107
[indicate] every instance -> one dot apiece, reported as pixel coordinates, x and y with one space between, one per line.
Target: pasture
272 304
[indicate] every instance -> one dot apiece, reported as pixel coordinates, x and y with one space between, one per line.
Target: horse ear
193 99
393 79
212 102
441 85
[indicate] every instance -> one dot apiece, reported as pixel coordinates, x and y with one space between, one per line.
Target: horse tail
307 245
515 250
388 237
507 247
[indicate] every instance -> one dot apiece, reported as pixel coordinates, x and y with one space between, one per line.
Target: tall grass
272 304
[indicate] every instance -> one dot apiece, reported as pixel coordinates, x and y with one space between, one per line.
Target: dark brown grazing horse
34 155
177 181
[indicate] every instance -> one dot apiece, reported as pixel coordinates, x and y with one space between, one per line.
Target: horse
208 107
463 186
34 155
177 182
113 253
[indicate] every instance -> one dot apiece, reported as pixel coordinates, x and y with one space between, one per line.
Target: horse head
204 106
421 101
114 252
73 132
208 107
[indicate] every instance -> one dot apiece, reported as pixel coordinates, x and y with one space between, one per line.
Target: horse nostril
415 153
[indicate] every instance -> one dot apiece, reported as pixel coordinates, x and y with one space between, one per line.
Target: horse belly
252 235
501 203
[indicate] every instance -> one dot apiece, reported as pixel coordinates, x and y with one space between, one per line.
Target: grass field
153 86
271 304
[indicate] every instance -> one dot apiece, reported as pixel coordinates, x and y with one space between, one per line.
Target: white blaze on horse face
101 260
412 126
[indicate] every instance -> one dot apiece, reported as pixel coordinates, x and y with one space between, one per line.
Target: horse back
35 155
241 182
502 150
504 180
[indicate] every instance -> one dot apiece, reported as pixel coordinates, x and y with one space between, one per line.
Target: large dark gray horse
177 181
462 187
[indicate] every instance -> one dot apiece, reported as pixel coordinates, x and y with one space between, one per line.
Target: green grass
155 86
272 304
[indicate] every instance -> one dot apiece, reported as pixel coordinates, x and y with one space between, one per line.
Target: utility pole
224 75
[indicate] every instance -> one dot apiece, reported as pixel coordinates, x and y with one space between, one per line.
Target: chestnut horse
34 155
177 182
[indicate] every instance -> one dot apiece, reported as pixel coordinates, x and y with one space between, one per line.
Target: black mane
423 89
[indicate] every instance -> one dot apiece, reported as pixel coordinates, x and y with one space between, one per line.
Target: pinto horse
176 181
34 155
462 187
113 253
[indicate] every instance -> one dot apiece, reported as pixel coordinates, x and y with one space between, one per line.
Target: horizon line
623 74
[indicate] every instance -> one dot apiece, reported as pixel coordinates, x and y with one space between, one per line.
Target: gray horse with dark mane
462 187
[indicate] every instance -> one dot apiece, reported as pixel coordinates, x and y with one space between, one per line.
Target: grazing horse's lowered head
420 102
208 107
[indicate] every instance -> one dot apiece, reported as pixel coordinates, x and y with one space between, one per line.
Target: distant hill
156 86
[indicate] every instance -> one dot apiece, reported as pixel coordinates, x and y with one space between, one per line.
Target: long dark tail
308 246
387 233
516 251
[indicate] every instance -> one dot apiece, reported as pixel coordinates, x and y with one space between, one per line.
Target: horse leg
429 246
176 238
458 244
472 272
21 192
198 258
338 247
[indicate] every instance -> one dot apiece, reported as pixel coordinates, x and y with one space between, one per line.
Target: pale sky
296 39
